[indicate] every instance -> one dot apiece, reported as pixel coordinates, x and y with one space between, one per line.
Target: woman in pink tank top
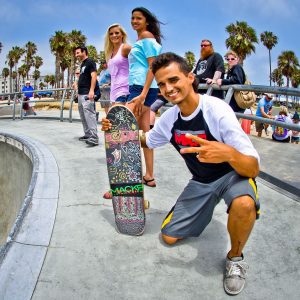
116 55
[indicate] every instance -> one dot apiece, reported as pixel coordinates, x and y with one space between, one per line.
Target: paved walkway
88 259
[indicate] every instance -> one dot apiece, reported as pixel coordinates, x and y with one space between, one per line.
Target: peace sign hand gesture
209 151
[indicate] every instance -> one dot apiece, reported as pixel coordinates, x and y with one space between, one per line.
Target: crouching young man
220 156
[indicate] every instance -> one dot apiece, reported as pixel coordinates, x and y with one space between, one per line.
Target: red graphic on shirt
182 140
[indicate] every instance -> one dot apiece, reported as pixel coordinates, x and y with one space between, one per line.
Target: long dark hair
153 23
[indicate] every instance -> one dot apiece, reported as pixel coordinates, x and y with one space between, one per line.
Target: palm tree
276 77
30 51
58 44
296 78
5 73
241 39
14 76
288 63
41 85
13 57
37 62
10 62
93 54
22 71
52 80
75 39
47 80
36 75
190 58
65 64
269 40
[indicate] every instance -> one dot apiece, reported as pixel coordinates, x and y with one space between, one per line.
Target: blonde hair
283 110
230 52
108 46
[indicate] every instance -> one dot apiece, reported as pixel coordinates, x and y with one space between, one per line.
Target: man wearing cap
28 95
210 67
264 110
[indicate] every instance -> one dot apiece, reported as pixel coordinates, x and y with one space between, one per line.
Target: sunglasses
205 45
228 59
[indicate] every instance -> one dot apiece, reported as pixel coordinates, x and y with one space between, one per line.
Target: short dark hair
83 49
165 59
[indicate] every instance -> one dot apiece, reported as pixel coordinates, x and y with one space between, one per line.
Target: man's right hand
106 125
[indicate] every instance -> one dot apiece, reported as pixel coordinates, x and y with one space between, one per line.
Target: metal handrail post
71 106
229 95
14 107
62 106
21 107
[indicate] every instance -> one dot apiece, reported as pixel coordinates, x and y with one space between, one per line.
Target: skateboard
124 166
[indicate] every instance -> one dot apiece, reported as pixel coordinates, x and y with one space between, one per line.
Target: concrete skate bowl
29 189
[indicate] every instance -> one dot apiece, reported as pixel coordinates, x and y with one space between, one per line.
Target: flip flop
145 182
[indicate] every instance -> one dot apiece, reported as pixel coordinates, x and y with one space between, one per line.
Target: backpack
97 91
280 131
245 99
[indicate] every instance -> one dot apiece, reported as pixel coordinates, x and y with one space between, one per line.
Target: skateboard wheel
146 204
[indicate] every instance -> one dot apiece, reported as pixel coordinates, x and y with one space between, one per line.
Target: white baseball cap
270 96
27 81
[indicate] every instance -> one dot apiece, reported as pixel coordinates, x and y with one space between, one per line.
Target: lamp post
1 46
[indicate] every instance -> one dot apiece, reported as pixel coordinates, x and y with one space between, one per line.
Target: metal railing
18 98
258 89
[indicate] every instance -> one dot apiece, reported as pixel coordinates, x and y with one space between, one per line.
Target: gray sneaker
235 276
83 138
92 142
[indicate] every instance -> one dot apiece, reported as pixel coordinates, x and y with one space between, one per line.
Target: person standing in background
28 95
295 137
235 75
104 83
86 92
210 67
264 110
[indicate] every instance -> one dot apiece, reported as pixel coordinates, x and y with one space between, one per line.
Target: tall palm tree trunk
270 66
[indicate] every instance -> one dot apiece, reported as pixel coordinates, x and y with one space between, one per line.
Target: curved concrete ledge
22 257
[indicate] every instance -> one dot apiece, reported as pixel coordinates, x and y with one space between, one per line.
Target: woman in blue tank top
142 88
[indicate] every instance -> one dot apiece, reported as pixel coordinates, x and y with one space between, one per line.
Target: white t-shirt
213 120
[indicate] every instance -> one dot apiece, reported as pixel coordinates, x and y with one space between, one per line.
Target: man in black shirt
210 67
86 103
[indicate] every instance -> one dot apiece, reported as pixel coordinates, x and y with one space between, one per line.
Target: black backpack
97 91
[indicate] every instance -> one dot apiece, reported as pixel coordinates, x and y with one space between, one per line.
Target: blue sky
186 23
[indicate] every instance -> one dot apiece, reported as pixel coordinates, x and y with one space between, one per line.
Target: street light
1 46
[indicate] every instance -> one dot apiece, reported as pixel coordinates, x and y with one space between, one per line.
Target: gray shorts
195 206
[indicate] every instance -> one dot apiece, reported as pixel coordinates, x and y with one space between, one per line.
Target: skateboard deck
124 166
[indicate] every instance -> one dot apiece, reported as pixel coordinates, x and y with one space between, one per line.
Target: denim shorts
122 99
135 90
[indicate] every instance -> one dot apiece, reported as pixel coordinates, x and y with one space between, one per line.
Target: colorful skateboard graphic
124 166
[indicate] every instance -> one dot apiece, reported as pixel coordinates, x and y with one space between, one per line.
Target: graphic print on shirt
182 141
202 66
82 69
202 172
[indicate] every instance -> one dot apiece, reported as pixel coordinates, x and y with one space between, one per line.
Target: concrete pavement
88 259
